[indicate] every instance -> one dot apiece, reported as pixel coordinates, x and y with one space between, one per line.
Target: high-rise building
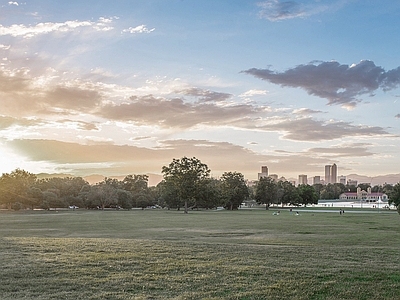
334 173
264 172
303 179
317 179
328 174
342 179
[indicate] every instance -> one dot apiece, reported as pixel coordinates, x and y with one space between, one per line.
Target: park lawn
158 254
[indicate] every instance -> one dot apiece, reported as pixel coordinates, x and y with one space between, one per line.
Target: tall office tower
316 179
342 179
334 173
264 169
264 172
328 174
303 179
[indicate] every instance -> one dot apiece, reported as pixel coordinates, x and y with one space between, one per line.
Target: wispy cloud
138 29
174 112
277 10
338 83
20 30
13 3
308 129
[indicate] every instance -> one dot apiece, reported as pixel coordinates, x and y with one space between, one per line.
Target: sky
123 87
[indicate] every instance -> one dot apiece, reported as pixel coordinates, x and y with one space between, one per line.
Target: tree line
186 185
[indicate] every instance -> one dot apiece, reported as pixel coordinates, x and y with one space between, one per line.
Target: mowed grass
158 254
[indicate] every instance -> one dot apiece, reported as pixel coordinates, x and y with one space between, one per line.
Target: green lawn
154 254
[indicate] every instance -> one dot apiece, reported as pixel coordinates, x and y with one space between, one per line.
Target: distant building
264 172
328 174
342 180
365 196
317 179
334 173
352 182
274 177
303 179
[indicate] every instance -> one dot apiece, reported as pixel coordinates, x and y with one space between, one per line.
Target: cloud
277 10
205 95
274 10
307 129
123 159
22 95
251 93
174 112
352 150
20 30
7 122
339 84
306 111
138 29
13 3
397 116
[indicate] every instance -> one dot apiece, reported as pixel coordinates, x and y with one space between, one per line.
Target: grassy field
154 254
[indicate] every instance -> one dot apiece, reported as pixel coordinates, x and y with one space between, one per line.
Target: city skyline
117 88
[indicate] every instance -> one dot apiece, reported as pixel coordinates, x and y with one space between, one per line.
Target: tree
333 191
185 176
287 193
307 194
266 191
394 196
102 195
234 189
14 187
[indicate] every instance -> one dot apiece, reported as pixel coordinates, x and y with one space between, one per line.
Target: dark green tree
307 194
394 196
266 191
287 193
233 190
14 187
185 176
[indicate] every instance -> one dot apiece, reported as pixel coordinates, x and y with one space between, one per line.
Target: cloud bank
338 83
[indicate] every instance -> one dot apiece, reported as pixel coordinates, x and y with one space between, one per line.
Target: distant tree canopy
186 184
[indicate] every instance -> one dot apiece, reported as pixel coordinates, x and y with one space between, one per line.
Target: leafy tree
135 183
185 176
333 191
14 187
364 186
209 194
307 194
266 191
287 193
102 195
234 189
124 199
394 196
67 189
168 195
318 187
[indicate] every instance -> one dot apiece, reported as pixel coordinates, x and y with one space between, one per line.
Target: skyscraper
334 173
264 172
303 179
328 174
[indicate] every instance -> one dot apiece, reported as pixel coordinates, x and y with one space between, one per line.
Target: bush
17 206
